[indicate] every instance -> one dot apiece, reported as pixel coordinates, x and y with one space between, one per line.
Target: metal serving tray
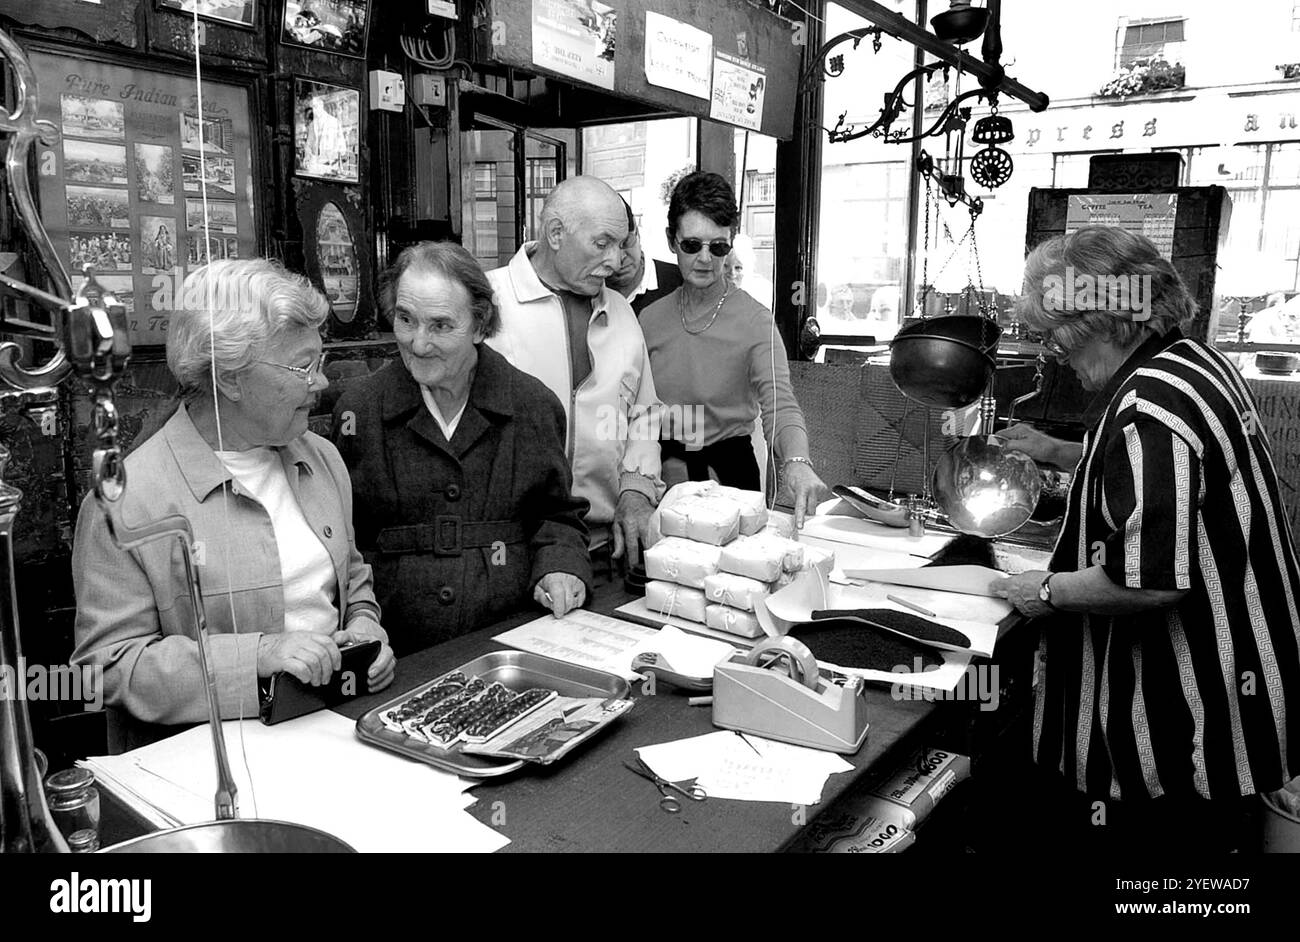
517 670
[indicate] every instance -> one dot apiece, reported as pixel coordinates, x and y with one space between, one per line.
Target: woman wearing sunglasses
715 354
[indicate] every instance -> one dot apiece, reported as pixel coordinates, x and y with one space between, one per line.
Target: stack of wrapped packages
718 552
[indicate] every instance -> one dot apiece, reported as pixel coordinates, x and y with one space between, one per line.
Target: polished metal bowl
235 837
945 362
985 488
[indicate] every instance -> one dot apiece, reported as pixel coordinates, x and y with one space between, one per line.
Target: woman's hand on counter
1043 448
1022 592
384 666
806 488
560 592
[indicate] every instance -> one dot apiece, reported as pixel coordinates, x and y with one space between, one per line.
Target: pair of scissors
669 803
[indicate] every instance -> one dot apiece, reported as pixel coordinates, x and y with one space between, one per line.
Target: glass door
506 173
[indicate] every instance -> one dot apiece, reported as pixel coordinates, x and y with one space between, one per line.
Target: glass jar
74 805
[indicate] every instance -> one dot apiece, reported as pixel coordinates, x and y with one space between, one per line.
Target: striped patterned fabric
1176 490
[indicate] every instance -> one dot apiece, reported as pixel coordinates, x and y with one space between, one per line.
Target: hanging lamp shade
960 23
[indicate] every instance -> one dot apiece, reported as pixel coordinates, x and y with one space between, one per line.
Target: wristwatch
1045 591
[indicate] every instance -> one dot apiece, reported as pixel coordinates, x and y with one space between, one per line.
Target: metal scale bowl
981 486
91 332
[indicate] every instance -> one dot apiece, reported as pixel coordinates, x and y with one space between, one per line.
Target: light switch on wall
387 91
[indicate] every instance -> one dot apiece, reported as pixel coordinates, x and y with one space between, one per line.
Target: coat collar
1153 345
199 464
492 390
529 288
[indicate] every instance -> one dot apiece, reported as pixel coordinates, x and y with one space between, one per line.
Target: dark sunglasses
718 248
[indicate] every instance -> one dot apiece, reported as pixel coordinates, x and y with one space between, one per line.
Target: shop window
756 192
485 242
1145 40
640 159
541 180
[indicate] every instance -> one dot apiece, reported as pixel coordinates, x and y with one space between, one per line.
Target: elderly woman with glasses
717 359
284 585
1169 674
458 460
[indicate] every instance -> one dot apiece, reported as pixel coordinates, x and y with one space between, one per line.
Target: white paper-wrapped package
740 592
668 598
762 556
753 510
684 562
733 621
704 518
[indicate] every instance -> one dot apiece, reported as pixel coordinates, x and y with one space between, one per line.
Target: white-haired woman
1170 646
270 504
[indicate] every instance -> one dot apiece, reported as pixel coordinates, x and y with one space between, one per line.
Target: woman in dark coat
462 487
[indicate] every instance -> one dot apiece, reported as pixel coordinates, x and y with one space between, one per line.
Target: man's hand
1022 592
807 488
309 656
632 526
561 592
384 666
1042 448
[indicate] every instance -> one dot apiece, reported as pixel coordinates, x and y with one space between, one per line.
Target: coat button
329 532
447 595
453 492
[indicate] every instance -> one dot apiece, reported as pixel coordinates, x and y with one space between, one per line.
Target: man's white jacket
613 415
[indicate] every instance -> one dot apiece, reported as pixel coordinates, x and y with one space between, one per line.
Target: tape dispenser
777 690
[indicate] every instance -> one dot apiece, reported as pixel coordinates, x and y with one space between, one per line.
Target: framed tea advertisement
125 187
326 131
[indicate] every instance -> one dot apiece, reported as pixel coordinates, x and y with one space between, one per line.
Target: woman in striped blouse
1168 676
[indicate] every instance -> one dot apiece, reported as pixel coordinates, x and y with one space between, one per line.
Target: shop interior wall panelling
170 33
109 21
769 39
304 197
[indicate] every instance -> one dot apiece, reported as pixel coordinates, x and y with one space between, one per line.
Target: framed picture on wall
338 26
131 171
236 12
326 131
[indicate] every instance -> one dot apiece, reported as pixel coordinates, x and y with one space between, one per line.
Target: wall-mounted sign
576 38
1145 214
108 188
739 89
677 55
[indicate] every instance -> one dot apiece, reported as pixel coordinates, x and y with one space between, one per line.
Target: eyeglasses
308 373
1054 349
718 248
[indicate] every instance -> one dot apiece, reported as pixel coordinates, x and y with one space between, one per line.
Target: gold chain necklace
681 307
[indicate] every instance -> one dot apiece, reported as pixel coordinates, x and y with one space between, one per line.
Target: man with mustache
561 324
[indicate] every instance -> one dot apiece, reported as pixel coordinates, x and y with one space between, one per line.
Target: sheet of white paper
748 768
685 653
582 637
677 55
313 771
